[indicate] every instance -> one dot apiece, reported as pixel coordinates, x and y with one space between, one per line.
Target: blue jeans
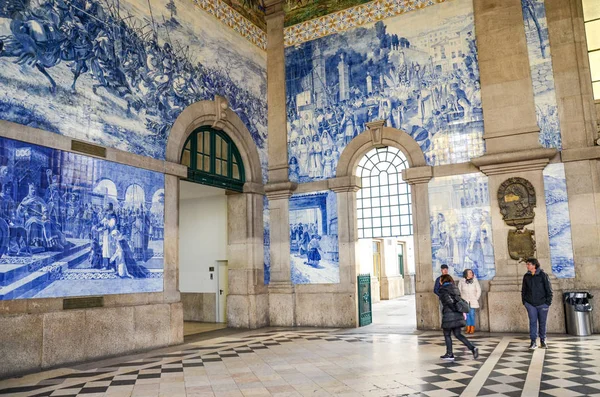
537 316
471 317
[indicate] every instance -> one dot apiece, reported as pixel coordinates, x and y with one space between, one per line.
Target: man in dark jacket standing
536 295
436 284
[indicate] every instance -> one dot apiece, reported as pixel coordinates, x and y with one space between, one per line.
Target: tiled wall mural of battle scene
420 79
72 225
542 76
119 72
314 238
461 225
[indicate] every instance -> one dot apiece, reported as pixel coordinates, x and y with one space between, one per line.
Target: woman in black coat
452 319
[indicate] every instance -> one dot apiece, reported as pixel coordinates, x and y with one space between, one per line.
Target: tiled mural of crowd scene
314 238
540 61
559 224
418 78
72 225
461 232
119 72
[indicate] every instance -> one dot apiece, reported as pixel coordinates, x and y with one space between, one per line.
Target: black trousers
448 338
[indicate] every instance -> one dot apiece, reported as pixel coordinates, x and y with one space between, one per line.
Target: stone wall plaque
516 198
521 244
83 303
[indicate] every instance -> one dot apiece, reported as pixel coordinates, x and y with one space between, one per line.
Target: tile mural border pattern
233 19
351 18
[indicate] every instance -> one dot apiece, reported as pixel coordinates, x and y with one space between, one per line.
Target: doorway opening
214 167
386 249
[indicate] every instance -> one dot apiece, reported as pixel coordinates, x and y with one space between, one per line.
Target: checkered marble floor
323 362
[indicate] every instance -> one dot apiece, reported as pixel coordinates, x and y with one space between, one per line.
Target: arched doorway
416 174
239 173
384 224
214 166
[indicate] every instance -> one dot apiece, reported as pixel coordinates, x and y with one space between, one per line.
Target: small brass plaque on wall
521 244
83 303
88 148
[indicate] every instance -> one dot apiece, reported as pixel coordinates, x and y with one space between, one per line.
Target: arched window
591 17
212 159
383 202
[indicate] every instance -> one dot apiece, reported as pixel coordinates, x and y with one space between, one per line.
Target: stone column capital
280 190
417 175
253 187
511 162
344 184
273 9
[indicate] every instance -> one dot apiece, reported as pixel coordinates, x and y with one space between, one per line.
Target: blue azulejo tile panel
461 232
559 223
314 238
267 240
418 76
72 225
540 62
119 72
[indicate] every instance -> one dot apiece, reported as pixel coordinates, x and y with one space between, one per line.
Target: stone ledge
417 175
280 190
580 154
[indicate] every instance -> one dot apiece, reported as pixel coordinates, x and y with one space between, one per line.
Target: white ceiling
189 190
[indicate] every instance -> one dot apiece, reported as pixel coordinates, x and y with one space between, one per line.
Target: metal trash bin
578 313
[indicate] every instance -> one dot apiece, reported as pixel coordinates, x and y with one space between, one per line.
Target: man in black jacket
536 295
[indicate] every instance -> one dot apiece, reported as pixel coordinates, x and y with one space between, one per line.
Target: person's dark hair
534 262
444 266
446 278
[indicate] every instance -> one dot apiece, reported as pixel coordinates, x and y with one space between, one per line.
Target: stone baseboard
32 342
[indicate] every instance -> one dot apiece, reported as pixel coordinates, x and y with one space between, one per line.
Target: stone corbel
344 184
280 190
521 161
253 187
417 175
273 8
376 130
221 106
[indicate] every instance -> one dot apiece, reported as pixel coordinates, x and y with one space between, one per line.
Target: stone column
506 86
282 300
276 93
281 291
171 293
247 301
428 312
347 301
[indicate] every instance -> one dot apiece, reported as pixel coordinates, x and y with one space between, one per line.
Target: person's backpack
462 305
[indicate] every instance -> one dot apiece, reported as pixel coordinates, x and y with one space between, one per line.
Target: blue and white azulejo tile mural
461 225
119 72
542 76
314 238
559 223
72 225
419 77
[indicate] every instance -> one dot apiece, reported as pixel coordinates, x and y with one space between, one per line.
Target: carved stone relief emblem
516 198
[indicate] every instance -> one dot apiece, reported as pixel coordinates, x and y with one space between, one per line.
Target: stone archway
247 301
417 176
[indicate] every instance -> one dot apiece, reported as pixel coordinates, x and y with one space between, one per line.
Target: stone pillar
282 300
276 93
171 293
506 87
346 303
428 312
504 295
247 301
